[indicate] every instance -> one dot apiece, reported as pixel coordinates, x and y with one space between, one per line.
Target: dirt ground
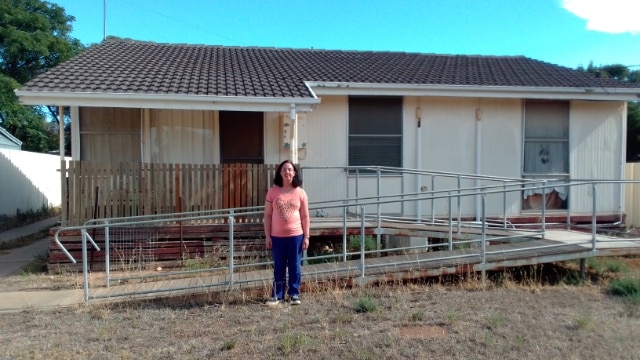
532 317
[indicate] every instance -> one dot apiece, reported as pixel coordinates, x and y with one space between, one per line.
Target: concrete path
12 261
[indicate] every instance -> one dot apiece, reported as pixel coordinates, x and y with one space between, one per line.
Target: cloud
610 16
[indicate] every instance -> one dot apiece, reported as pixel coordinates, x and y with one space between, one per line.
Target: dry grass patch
446 318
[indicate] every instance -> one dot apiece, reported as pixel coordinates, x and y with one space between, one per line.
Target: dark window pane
375 115
375 131
375 151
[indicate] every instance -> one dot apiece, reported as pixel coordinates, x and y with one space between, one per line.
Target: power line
144 9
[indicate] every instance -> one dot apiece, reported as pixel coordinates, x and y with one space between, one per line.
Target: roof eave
11 138
566 93
166 101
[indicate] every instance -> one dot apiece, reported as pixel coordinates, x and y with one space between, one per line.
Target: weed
354 243
489 340
625 287
417 316
572 278
228 345
366 304
291 343
495 320
37 266
615 266
452 317
601 266
520 341
583 321
343 318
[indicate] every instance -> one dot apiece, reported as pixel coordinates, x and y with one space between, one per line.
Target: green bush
626 287
366 304
354 241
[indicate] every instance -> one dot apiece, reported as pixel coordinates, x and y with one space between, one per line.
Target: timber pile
159 246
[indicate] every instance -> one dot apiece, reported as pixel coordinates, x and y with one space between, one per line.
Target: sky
570 33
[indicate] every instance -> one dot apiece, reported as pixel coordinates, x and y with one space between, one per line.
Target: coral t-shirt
286 204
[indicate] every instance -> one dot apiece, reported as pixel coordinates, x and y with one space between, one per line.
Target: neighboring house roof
131 69
8 141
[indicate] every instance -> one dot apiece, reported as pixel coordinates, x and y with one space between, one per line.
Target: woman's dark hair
296 181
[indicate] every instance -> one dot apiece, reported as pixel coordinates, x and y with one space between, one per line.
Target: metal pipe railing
362 203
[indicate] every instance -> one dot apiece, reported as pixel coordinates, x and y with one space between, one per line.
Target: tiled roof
150 68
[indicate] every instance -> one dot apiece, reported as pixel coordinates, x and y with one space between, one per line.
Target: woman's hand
305 243
267 243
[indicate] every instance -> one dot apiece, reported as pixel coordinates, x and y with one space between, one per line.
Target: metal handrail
362 203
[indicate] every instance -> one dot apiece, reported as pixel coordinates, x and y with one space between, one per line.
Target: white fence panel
28 181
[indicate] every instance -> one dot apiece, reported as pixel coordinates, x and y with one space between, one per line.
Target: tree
34 37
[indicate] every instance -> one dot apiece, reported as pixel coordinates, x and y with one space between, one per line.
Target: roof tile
130 67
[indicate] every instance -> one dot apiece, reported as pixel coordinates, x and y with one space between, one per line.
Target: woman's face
287 172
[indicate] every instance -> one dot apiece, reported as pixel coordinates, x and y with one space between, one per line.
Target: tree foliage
34 37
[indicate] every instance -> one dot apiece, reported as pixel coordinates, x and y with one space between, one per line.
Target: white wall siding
450 131
326 132
29 181
596 153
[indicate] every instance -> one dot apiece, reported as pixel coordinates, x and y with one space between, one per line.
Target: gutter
571 93
166 101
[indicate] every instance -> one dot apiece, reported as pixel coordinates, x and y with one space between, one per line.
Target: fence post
231 252
362 242
85 269
450 225
378 243
344 233
459 203
544 208
107 254
484 238
593 218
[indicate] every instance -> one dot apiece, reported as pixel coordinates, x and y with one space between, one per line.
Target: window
546 151
375 131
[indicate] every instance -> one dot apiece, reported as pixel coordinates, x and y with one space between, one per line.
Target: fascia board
11 138
333 88
165 101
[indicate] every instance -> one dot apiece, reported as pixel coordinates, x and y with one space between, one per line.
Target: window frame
377 113
552 175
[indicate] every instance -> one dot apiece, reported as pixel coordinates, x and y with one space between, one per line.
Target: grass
24 240
606 265
453 317
27 217
583 321
366 304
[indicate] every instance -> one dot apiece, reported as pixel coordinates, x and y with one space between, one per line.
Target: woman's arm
268 211
304 219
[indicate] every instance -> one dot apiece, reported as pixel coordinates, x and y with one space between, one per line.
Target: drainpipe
478 160
293 151
419 162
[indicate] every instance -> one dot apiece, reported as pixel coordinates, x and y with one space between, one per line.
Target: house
8 141
139 105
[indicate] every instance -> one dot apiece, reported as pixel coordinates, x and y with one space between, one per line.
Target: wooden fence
95 191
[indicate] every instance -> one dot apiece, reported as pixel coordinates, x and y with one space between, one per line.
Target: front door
241 137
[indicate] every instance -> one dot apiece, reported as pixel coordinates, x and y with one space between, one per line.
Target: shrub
366 304
626 287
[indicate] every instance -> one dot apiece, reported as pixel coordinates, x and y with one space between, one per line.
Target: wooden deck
557 245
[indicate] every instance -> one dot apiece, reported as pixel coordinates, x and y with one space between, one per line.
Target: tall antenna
104 20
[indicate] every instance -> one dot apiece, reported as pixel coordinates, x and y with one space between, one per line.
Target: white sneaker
274 301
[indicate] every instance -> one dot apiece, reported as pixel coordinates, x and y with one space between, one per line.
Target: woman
286 228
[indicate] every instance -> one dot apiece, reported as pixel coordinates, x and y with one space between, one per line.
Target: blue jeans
287 254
